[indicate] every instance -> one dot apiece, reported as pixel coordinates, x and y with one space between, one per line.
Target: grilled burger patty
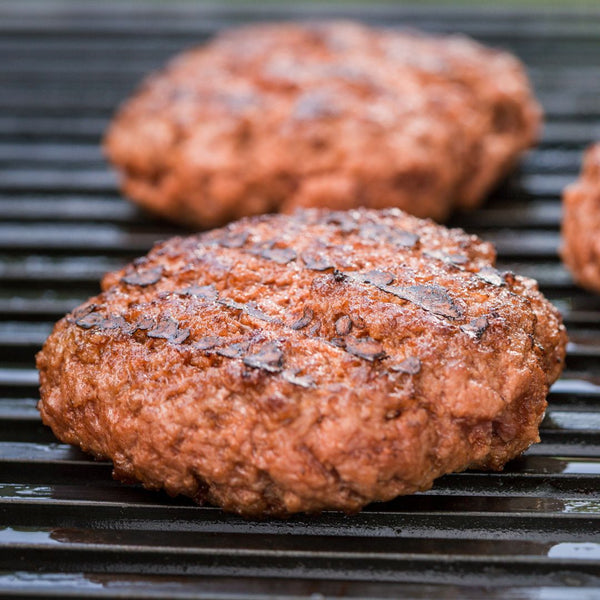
581 223
298 363
274 117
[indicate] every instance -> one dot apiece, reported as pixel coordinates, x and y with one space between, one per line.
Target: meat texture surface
323 360
270 118
581 223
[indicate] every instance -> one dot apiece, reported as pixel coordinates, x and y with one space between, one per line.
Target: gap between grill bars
68 530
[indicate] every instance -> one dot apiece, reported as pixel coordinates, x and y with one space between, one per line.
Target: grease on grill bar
68 529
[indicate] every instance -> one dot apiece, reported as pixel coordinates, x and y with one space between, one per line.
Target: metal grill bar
569 133
68 530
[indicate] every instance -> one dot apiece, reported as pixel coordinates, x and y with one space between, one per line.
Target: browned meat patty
275 117
581 223
299 363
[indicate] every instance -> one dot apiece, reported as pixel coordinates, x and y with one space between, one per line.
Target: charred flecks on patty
253 381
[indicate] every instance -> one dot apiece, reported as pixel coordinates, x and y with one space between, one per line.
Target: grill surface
531 531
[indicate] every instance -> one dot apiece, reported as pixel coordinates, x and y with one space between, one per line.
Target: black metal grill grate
68 530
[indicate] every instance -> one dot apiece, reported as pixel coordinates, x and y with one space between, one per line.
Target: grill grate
68 530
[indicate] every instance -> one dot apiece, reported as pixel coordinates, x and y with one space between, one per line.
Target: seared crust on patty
274 117
581 223
299 363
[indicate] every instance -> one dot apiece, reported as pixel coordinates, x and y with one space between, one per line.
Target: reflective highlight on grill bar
67 529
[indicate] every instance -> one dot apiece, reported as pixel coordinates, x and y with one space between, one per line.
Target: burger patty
270 118
581 223
323 360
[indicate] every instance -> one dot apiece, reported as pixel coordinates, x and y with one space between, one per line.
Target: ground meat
270 118
236 368
581 223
